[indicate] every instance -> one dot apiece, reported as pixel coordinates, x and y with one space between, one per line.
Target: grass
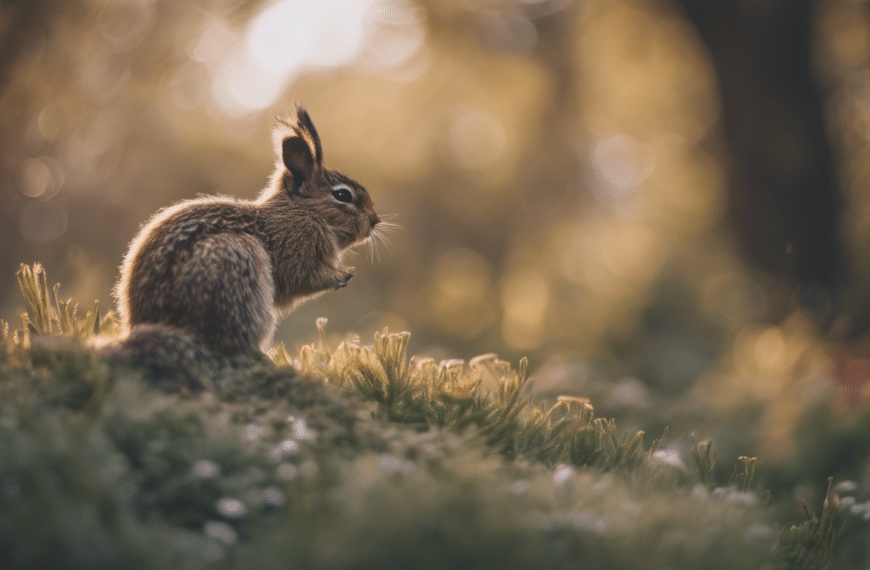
358 457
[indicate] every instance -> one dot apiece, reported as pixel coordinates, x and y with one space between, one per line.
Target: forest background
665 205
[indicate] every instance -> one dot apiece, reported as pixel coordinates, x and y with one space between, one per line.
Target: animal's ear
297 143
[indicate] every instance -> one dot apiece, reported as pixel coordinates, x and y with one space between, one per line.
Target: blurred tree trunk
784 202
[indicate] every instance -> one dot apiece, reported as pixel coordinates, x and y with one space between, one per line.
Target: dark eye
343 194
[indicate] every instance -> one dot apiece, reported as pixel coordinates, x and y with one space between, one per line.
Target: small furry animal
205 281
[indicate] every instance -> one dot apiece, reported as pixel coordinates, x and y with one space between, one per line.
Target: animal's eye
343 194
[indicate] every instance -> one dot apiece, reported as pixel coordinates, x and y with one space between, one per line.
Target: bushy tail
175 358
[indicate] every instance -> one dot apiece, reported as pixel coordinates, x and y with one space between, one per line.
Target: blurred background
664 204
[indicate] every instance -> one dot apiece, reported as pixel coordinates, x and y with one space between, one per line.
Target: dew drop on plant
221 531
231 508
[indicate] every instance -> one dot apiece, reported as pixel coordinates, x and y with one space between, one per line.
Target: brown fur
214 274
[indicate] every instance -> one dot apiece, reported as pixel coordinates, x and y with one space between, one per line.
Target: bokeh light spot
123 20
51 121
214 40
221 531
40 177
400 36
460 298
622 161
621 165
525 300
477 139
291 37
770 348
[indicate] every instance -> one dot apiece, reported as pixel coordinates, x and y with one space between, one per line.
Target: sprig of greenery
450 395
47 315
810 545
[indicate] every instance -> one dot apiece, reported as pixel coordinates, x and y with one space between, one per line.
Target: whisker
376 239
382 234
386 238
390 226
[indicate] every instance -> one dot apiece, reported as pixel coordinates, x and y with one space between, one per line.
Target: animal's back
201 267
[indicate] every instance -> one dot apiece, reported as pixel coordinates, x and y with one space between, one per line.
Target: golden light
285 39
291 37
525 299
460 300
477 139
296 33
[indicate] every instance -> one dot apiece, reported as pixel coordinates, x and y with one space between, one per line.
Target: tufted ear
297 143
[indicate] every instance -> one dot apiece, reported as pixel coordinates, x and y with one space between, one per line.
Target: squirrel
205 281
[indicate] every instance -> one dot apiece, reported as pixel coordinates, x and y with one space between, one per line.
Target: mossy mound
357 458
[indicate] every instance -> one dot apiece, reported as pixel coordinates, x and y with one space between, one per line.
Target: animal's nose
374 220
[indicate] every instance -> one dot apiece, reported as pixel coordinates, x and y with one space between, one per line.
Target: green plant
354 458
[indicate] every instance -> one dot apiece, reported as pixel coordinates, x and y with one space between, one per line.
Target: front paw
342 281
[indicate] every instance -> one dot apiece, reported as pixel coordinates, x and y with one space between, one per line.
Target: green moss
354 458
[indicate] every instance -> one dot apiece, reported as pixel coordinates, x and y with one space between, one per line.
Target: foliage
353 458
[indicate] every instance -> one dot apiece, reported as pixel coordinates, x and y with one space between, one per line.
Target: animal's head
341 202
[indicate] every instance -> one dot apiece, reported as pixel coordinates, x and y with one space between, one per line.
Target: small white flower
221 531
302 432
231 508
670 457
206 469
563 474
845 487
286 448
253 431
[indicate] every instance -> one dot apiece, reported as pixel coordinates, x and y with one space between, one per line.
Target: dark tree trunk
784 202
